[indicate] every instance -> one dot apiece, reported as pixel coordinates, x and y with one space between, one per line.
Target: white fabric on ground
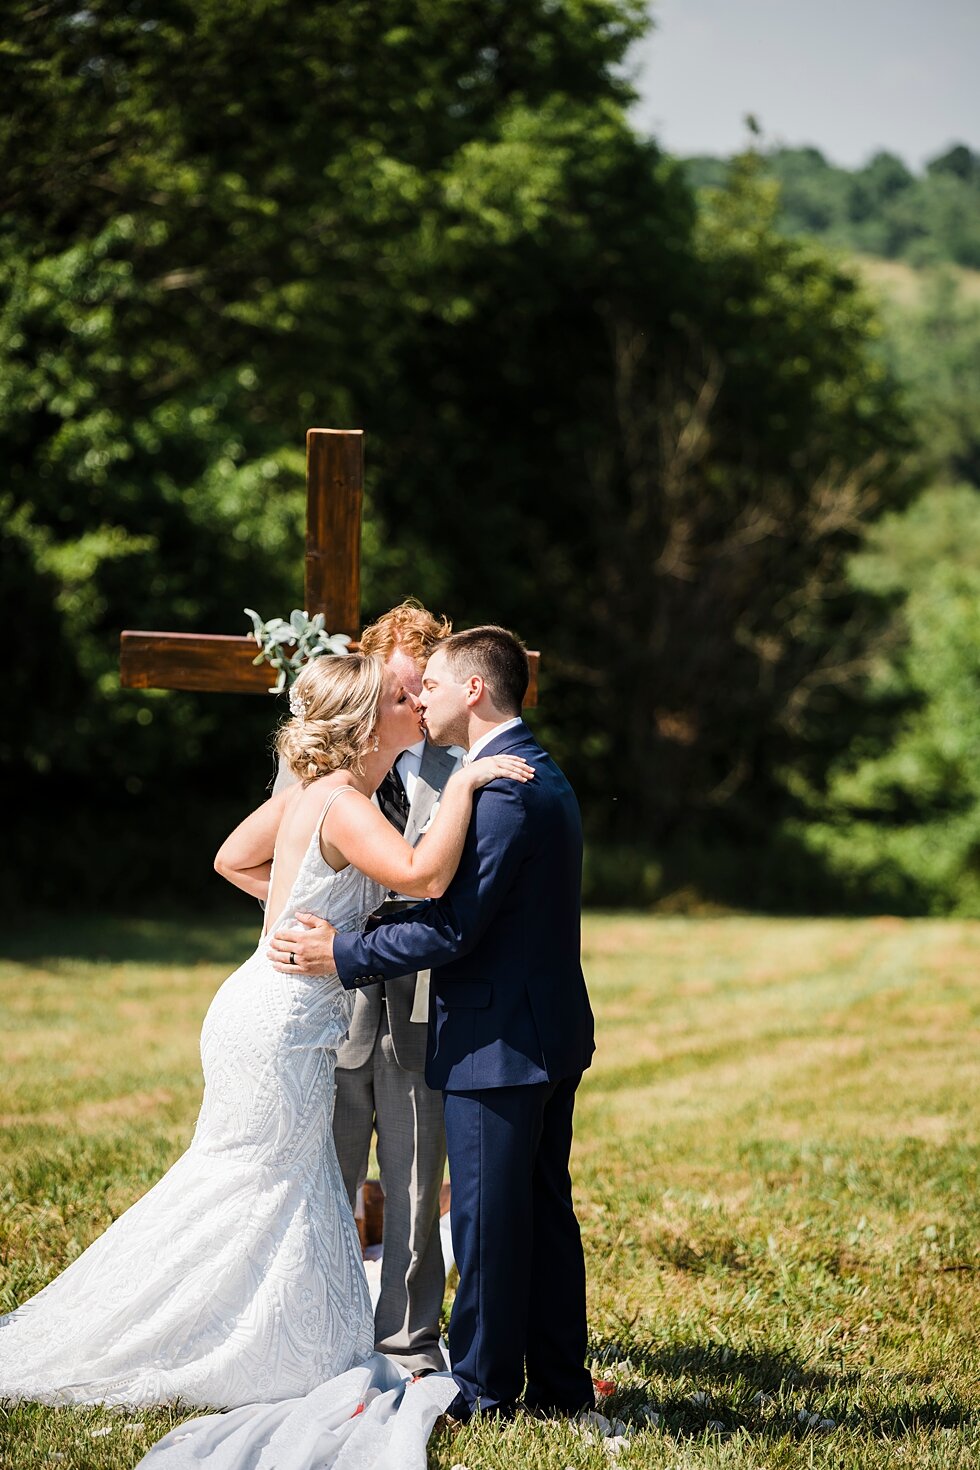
370 1418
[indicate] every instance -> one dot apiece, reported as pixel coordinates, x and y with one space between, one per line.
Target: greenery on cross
288 644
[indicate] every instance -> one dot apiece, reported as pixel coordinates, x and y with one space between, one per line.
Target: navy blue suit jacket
507 1003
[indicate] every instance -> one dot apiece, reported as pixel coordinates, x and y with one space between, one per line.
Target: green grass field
776 1172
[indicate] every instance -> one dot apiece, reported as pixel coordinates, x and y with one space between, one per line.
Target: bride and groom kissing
238 1277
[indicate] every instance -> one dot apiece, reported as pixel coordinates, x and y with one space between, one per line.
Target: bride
238 1277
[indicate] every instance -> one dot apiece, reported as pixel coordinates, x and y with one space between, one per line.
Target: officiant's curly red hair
410 627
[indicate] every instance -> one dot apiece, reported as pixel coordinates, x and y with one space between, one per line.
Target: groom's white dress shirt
477 747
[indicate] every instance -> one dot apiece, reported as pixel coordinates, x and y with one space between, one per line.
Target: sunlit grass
776 1173
902 283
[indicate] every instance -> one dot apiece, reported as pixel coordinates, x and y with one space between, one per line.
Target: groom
510 1033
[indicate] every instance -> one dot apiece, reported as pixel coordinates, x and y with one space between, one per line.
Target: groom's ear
474 688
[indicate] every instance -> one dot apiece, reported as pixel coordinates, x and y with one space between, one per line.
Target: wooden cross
223 663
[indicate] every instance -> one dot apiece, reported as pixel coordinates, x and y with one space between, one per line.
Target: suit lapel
516 735
436 768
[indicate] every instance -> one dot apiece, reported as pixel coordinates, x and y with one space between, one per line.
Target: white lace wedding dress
238 1277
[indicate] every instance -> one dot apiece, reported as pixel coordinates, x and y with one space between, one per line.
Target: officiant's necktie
393 800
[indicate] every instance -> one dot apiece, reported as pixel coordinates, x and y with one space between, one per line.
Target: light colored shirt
484 740
408 765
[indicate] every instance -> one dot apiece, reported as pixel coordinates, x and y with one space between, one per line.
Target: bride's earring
377 745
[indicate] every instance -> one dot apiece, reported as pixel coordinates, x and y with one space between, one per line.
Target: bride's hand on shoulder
489 768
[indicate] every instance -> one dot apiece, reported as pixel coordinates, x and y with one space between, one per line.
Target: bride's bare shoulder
320 789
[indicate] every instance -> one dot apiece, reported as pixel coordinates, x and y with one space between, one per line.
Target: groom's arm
452 925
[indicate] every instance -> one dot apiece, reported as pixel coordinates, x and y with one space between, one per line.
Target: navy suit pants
520 1304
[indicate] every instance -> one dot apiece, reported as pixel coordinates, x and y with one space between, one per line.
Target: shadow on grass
771 1395
46 939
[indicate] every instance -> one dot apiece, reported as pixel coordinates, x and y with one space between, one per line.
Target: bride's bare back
302 812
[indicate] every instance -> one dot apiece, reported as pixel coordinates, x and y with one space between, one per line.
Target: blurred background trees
882 209
626 405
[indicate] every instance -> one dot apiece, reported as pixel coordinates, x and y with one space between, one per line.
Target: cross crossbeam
223 663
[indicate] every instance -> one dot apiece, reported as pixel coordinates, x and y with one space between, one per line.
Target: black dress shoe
458 1411
448 1424
554 1411
530 1411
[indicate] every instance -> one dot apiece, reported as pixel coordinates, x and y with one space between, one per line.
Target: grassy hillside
907 285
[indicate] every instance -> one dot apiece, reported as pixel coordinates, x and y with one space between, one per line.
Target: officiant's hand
308 950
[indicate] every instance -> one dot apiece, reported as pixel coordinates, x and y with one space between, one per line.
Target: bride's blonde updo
335 709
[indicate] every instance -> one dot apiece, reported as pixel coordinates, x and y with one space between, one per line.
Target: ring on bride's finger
292 957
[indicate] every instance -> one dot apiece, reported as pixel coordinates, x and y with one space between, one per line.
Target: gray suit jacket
408 1037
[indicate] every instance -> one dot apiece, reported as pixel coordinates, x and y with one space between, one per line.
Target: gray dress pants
381 1096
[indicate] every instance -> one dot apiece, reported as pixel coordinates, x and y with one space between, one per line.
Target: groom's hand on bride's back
307 951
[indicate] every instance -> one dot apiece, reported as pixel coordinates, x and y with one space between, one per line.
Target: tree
215 230
880 209
934 349
901 819
643 437
959 161
813 192
753 446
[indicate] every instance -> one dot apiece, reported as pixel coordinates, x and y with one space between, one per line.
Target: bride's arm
371 843
245 857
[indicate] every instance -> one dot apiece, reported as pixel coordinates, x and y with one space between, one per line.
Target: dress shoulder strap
338 791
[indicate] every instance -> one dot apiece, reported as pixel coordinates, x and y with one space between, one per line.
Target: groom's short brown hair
409 626
498 656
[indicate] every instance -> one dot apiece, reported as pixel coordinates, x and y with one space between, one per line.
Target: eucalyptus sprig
306 636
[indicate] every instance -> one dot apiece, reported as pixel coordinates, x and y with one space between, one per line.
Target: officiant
381 1087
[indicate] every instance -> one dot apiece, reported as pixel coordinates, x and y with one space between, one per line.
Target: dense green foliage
934 348
881 209
899 818
648 432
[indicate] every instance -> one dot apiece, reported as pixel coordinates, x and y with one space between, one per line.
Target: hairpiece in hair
297 705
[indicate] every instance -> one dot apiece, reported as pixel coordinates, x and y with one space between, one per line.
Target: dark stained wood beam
213 662
531 697
334 492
